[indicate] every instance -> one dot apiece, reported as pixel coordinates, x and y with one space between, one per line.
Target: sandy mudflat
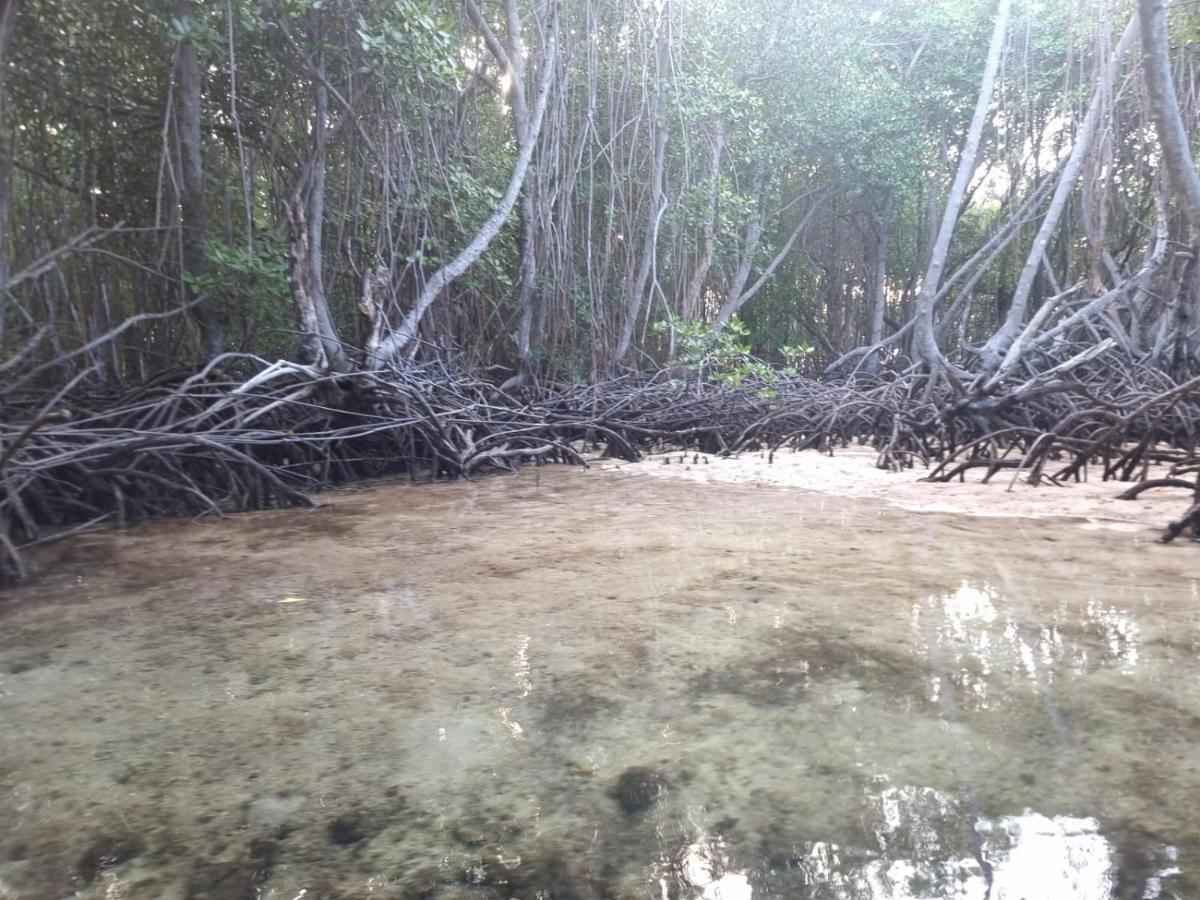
851 472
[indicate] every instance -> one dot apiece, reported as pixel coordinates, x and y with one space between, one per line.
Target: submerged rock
106 852
347 829
470 835
638 788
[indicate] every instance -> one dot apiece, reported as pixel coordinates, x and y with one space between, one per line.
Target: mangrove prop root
245 434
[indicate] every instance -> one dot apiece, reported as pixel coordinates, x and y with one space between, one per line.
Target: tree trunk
319 344
754 230
879 247
402 337
655 209
191 198
925 340
1180 356
8 24
527 274
992 353
1168 122
527 271
695 284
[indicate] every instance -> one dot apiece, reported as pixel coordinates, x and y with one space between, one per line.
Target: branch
732 305
46 262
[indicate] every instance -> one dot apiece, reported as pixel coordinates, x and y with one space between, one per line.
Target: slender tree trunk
527 272
881 223
319 344
754 230
1164 105
655 208
925 339
8 24
1097 175
836 274
992 353
402 337
511 57
527 275
695 283
191 200
9 10
1180 356
741 275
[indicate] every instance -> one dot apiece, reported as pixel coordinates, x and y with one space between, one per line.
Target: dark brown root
250 435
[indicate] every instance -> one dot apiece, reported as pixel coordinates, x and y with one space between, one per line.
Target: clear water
433 691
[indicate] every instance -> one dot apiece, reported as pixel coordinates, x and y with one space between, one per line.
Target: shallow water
432 691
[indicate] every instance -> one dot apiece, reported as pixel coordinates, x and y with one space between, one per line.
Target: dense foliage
778 161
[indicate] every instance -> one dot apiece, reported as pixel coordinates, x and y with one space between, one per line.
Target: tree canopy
538 184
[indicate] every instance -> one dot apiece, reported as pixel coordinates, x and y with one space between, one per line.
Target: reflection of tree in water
982 632
931 848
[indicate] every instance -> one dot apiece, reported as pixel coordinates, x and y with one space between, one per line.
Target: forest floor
851 472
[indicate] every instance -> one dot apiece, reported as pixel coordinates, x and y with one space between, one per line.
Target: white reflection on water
1035 856
701 869
1025 857
522 669
1121 633
842 872
514 727
981 634
1154 883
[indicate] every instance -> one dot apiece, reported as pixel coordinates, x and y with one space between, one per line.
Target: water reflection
1036 856
930 850
981 637
702 872
1121 633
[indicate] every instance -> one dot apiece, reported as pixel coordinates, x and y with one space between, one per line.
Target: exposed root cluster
242 434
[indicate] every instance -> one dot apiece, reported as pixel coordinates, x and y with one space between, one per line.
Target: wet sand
432 691
851 472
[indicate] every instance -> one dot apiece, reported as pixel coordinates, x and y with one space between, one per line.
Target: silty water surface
433 691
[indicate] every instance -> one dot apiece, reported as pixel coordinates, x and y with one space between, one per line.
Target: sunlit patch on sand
851 472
